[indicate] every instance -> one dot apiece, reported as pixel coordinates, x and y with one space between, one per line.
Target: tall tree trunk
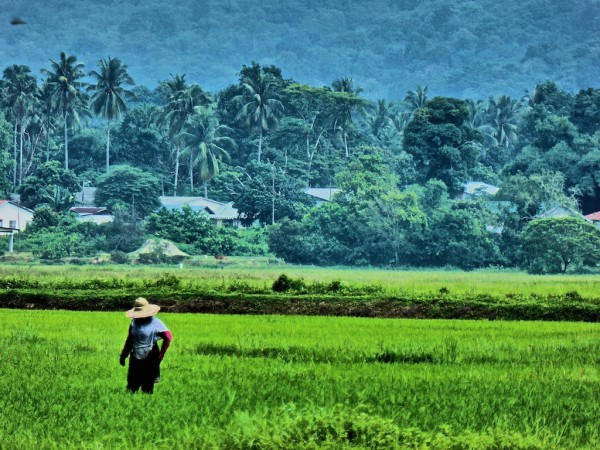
48 141
15 157
191 171
107 146
206 190
66 143
346 144
176 170
273 195
309 158
21 155
260 135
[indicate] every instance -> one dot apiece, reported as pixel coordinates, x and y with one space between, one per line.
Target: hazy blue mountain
462 48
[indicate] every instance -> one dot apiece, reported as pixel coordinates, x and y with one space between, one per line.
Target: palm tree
46 110
345 101
476 113
181 101
416 99
109 94
346 84
203 132
501 126
56 197
67 88
260 105
381 119
19 91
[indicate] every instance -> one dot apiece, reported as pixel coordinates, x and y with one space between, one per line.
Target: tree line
261 141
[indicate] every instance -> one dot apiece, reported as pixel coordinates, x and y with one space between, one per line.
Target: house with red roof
594 217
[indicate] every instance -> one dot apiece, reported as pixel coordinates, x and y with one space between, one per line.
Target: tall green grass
301 382
256 275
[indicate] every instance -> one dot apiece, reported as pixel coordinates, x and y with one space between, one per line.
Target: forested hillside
397 104
462 48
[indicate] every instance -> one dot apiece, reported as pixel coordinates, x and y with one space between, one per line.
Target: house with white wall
13 216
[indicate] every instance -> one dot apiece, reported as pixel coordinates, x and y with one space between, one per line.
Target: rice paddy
267 382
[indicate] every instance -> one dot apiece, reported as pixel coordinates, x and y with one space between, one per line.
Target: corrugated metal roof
214 209
227 212
89 210
322 193
473 187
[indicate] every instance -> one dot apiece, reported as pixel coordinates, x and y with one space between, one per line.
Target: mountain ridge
463 48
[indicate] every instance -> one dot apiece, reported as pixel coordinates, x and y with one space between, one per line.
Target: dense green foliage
296 382
125 185
551 245
50 185
402 167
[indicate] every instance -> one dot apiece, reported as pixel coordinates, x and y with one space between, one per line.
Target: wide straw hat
141 308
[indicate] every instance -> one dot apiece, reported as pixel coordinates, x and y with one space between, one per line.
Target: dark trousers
143 372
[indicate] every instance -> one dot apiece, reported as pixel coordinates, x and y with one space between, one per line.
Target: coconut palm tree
416 99
19 91
346 84
381 119
109 94
501 121
260 106
205 134
346 101
181 102
67 87
46 110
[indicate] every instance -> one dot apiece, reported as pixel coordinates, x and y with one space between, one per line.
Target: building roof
324 194
560 211
593 216
90 210
479 187
214 209
5 202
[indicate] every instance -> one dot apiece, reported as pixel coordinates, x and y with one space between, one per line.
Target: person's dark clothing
144 354
143 372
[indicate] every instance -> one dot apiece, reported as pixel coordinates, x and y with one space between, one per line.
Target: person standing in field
141 345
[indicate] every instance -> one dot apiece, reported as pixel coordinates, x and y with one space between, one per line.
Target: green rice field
258 274
281 382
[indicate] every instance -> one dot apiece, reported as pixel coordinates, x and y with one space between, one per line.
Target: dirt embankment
434 308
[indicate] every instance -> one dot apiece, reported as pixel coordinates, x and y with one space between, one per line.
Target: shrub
119 257
155 257
284 283
168 280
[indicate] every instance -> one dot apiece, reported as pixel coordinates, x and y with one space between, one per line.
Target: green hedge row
481 307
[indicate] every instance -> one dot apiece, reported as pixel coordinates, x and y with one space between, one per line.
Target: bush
168 280
54 246
284 283
155 257
119 257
